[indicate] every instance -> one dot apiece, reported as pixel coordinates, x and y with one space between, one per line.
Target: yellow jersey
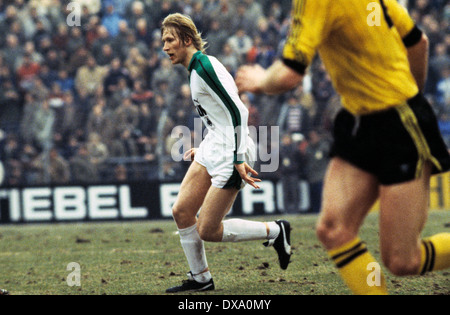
362 44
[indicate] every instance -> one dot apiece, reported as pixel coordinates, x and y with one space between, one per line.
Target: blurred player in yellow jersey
386 140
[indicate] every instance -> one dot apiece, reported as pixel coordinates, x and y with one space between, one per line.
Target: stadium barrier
147 200
440 192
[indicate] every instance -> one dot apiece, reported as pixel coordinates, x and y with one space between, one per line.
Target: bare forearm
279 79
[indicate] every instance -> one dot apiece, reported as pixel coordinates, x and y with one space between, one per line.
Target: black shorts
393 144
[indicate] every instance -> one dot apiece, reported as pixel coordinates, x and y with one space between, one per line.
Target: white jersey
216 98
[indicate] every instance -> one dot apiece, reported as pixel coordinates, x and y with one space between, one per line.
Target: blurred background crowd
98 101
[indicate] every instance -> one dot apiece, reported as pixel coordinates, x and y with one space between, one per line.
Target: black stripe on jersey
386 15
296 26
413 37
301 8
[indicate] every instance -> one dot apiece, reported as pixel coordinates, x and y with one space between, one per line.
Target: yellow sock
435 253
359 269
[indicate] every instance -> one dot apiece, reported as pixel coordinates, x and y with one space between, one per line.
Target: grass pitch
146 258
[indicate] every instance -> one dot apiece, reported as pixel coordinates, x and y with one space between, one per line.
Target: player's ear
187 41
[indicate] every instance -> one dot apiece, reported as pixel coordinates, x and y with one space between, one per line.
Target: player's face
174 47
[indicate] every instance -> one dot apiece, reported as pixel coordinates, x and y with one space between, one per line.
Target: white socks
234 230
195 253
238 230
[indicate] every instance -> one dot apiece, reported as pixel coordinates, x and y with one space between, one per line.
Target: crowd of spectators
97 101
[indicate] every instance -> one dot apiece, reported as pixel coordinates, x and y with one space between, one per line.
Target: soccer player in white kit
221 165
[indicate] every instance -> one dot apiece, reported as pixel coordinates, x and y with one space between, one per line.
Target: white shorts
218 160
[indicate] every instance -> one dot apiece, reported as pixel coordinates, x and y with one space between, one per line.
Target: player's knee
332 233
326 231
206 234
402 266
180 216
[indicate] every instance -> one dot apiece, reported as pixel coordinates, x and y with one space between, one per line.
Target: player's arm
308 29
418 60
278 78
415 41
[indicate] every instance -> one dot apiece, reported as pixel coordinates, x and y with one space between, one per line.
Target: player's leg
193 190
217 204
403 214
349 193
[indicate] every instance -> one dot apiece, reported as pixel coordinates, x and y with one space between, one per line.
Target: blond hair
185 29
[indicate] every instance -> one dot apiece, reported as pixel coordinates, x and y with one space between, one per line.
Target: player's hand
189 154
245 171
248 78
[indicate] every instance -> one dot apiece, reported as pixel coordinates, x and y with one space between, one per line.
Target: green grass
146 258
